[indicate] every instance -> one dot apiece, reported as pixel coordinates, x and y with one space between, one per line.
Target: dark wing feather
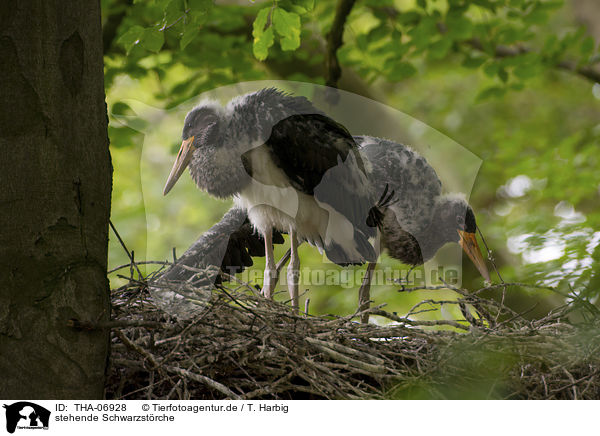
320 158
243 244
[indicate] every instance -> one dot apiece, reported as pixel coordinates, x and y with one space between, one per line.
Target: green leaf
503 74
538 15
422 4
491 69
287 25
200 5
153 39
262 44
410 18
459 27
422 33
587 47
173 12
439 49
401 71
474 61
263 39
130 38
492 91
302 6
260 21
526 71
189 33
550 45
378 33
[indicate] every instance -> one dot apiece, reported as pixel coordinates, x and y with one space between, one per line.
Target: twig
112 226
149 262
205 380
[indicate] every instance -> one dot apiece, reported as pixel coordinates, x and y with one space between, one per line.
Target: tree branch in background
587 72
503 51
113 21
334 41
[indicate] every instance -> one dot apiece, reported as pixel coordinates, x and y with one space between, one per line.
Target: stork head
200 129
454 221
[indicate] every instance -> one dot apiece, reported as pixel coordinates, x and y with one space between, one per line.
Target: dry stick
343 349
483 313
491 259
117 323
404 349
419 322
490 256
283 260
112 226
204 380
149 262
576 382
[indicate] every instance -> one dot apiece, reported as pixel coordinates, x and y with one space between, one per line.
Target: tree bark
55 193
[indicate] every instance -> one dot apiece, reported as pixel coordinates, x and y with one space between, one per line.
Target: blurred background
509 82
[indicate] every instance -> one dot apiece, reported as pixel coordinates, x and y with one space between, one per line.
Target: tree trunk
55 195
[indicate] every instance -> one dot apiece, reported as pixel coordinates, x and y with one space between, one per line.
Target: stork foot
269 282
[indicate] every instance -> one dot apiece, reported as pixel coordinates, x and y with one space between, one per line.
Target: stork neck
432 239
217 168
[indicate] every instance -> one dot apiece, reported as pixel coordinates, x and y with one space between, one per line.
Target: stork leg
271 273
293 271
364 293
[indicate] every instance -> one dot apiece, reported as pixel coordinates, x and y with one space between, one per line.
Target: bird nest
242 346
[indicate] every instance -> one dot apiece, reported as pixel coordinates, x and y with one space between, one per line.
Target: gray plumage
236 145
295 170
421 219
292 168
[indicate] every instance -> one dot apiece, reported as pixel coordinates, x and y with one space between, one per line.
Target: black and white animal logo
26 415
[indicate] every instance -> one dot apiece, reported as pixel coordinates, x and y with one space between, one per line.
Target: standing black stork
292 169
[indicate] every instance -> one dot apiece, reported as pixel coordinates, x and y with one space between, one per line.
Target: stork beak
468 242
182 161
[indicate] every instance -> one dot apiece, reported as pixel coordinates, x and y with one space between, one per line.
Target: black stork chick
292 169
421 219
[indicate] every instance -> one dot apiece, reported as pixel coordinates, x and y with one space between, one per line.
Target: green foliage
483 72
277 20
263 38
287 26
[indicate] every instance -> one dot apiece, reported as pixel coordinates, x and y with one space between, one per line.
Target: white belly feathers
276 204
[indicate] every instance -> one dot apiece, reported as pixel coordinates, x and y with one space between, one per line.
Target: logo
26 415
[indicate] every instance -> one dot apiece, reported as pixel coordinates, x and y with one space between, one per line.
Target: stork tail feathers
363 251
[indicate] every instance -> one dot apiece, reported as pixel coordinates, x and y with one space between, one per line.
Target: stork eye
460 221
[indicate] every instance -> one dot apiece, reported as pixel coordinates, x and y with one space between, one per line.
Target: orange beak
468 242
183 159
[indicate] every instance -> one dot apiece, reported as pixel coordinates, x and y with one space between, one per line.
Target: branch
110 27
503 51
334 41
587 72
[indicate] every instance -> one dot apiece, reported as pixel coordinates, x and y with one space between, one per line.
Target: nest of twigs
241 346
